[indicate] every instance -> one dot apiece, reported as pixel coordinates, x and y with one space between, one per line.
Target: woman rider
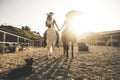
50 22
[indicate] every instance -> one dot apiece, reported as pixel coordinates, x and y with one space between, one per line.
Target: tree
26 28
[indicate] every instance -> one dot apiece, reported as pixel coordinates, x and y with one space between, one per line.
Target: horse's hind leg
64 47
48 49
67 48
72 46
54 44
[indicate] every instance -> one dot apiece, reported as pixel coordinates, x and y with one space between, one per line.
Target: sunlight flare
78 26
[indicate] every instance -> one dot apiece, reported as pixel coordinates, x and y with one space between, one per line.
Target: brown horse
68 34
67 37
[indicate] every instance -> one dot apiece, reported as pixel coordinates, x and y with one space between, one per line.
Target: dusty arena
99 63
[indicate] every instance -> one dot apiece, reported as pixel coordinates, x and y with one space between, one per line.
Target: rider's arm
63 25
56 25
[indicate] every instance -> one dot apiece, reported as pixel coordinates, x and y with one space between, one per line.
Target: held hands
59 30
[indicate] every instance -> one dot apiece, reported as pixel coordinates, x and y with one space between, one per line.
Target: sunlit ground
100 63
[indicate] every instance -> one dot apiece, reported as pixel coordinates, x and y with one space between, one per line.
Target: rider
50 22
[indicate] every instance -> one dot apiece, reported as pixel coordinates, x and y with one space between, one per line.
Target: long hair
49 21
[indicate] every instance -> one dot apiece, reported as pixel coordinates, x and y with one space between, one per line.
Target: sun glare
78 27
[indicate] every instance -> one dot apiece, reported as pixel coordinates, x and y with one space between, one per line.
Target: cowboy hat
50 14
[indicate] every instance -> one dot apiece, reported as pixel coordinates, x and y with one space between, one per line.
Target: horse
51 38
67 37
68 34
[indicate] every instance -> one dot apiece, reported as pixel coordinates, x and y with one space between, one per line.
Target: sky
96 15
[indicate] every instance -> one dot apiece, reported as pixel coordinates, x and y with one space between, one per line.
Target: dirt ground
99 63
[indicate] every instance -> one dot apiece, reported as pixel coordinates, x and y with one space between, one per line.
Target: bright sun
78 26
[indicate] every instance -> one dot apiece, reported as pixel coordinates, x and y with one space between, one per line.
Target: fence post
18 39
111 41
4 36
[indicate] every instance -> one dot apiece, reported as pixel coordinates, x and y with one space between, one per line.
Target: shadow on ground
51 69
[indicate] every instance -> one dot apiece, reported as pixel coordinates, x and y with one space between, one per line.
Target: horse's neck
50 29
51 34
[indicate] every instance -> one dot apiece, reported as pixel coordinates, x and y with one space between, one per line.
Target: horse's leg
54 45
72 46
67 48
64 47
48 48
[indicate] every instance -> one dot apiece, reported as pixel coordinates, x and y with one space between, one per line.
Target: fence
104 40
9 38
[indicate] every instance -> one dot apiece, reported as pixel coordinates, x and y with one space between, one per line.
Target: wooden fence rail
104 40
15 39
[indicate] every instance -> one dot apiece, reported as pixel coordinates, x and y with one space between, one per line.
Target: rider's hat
50 14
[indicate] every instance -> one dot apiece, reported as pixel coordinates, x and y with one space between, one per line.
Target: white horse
51 41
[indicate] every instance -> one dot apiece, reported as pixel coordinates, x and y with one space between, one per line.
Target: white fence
9 38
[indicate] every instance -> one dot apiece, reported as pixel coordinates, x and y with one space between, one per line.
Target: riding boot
44 40
72 50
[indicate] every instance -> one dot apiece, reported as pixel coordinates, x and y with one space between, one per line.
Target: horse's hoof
47 58
55 57
72 57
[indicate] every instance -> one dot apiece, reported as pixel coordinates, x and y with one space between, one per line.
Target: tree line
25 31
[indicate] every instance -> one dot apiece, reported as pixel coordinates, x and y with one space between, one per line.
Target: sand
99 63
